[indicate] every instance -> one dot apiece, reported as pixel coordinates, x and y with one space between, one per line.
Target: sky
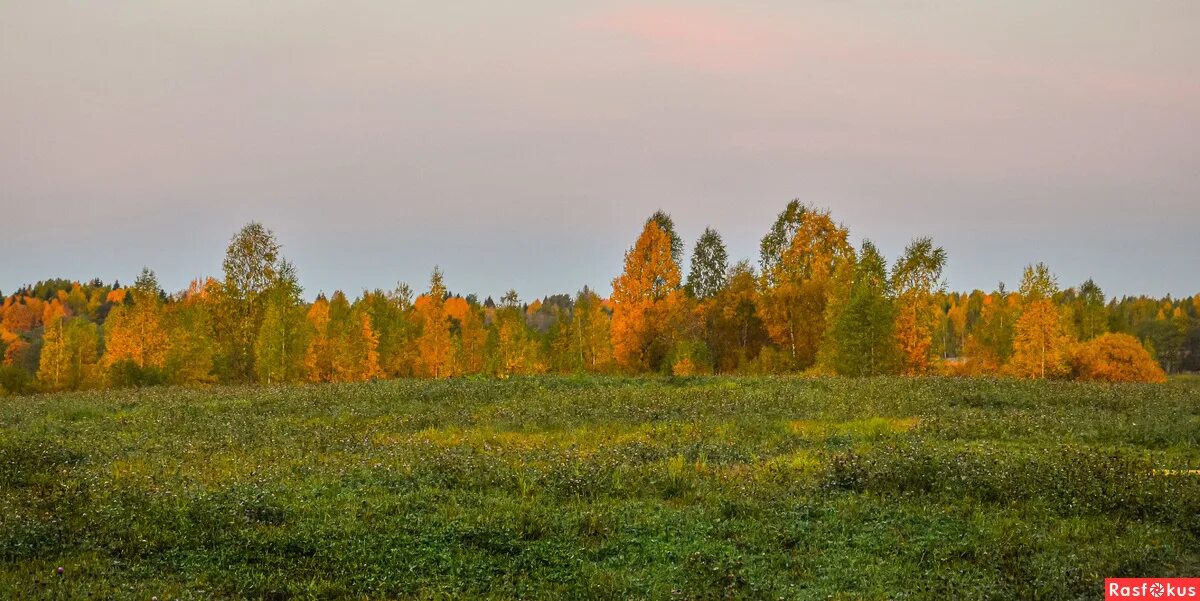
523 144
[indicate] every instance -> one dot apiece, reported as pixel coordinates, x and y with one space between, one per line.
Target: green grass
601 488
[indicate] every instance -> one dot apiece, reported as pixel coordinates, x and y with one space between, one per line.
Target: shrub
1115 358
689 359
127 374
770 361
14 380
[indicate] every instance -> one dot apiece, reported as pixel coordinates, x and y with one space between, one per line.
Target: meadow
689 488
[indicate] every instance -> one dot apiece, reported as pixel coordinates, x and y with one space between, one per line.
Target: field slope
601 488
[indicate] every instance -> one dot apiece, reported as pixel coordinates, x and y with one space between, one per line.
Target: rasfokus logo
1151 588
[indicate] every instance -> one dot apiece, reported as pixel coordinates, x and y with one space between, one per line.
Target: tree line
813 304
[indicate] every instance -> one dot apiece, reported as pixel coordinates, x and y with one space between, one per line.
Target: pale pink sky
522 144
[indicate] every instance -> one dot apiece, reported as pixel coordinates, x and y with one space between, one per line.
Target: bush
690 358
770 361
14 380
1115 358
127 374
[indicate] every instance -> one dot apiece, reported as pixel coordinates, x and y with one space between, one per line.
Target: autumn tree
134 331
865 330
507 337
54 312
280 348
356 355
189 326
15 332
710 266
12 345
353 342
394 322
16 349
512 347
252 268
667 225
342 343
54 360
779 238
1038 283
581 340
366 348
734 331
837 298
916 278
318 356
956 331
76 300
1166 334
1115 358
21 314
69 359
646 297
472 340
1041 343
806 261
989 345
1090 311
557 341
435 347
1192 356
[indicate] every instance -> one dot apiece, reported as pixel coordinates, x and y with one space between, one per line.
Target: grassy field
605 488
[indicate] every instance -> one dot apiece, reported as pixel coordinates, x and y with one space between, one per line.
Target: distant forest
813 304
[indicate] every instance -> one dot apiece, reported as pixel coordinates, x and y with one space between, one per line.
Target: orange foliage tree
134 331
733 327
806 261
989 345
363 348
1041 343
513 348
12 344
318 357
1115 358
342 344
435 346
645 298
22 314
472 338
393 322
916 278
